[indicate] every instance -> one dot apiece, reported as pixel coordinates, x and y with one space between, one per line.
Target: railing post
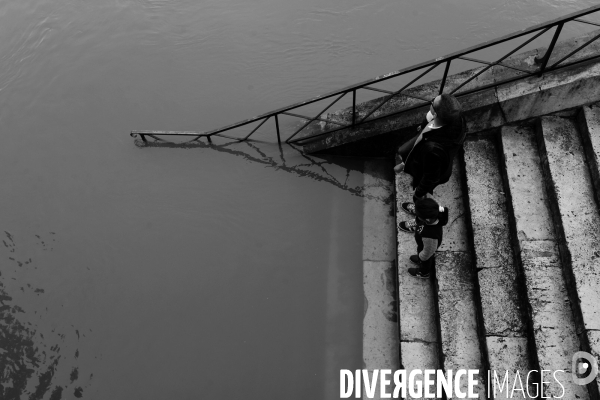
144 138
354 107
277 126
544 60
208 138
444 77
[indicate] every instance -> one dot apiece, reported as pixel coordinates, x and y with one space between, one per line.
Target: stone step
497 276
456 296
589 122
419 342
380 321
577 222
452 292
535 292
549 307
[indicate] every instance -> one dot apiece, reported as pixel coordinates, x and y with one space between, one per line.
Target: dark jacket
430 161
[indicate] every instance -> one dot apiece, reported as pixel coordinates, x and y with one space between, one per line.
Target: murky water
168 273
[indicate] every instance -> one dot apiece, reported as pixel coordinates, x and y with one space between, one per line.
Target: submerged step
578 220
505 328
549 307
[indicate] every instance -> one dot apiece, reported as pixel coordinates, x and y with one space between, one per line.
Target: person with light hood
429 156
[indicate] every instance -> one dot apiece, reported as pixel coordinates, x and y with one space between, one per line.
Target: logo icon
584 368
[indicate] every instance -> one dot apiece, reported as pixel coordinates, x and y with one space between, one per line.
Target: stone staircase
517 279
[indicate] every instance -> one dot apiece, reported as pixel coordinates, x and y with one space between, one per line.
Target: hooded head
447 108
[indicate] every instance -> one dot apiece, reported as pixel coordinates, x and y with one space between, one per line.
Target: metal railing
428 66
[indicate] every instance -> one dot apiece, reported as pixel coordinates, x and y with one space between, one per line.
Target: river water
155 273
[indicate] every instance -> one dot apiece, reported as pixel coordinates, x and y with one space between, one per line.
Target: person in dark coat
428 158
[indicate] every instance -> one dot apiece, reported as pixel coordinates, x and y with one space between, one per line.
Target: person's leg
409 207
424 267
427 266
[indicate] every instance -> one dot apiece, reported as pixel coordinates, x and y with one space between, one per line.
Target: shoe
409 226
409 208
417 273
415 260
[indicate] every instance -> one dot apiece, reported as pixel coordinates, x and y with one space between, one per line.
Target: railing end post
137 142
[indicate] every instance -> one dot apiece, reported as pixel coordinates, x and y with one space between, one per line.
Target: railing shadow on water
334 170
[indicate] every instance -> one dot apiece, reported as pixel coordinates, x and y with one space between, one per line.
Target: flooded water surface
162 273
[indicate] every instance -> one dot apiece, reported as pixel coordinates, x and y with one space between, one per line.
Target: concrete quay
517 279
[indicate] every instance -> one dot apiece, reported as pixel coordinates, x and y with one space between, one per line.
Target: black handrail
431 65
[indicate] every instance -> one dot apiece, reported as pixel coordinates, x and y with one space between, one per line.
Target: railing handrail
544 27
